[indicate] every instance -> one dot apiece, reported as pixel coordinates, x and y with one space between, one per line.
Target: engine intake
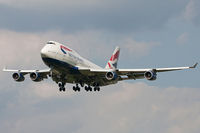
18 77
150 75
111 76
35 77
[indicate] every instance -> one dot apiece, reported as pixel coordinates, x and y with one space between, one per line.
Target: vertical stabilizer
112 63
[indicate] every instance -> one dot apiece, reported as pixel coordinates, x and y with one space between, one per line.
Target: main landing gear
88 88
96 88
77 88
61 86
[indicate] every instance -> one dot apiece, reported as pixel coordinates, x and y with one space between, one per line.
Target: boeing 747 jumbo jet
67 66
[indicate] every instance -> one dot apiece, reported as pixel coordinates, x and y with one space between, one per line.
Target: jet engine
18 77
111 76
35 77
150 75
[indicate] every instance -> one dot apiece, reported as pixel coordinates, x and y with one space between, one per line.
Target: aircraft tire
86 88
74 88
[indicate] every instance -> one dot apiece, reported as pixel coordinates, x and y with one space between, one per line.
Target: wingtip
194 66
4 69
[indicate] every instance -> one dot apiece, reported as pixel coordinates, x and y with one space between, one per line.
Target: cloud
71 16
45 3
126 107
16 46
49 90
183 38
192 11
138 49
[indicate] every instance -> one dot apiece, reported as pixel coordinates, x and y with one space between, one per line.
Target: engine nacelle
35 77
111 76
18 77
150 75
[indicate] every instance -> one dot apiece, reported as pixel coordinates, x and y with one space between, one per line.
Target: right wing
36 75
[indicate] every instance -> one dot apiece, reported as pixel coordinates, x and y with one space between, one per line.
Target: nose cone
44 52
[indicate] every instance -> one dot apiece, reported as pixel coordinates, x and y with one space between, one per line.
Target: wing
125 74
139 73
40 74
24 72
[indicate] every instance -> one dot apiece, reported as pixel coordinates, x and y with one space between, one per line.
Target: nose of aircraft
44 52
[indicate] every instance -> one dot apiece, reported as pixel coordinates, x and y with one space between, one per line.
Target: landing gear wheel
86 88
96 88
76 88
61 86
62 89
90 88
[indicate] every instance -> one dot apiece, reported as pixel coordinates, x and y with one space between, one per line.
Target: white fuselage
54 53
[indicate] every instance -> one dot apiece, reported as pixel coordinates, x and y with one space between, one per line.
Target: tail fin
112 63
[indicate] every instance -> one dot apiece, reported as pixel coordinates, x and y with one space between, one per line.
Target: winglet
194 66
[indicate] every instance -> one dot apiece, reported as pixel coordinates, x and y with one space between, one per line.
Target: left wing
125 71
124 74
150 74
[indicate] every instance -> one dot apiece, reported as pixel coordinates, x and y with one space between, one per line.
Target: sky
150 33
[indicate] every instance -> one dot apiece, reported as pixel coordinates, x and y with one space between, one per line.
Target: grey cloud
121 16
126 107
182 39
192 12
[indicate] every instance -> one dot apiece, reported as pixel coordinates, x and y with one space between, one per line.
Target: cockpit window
51 43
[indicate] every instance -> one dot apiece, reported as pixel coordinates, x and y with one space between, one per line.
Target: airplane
67 66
